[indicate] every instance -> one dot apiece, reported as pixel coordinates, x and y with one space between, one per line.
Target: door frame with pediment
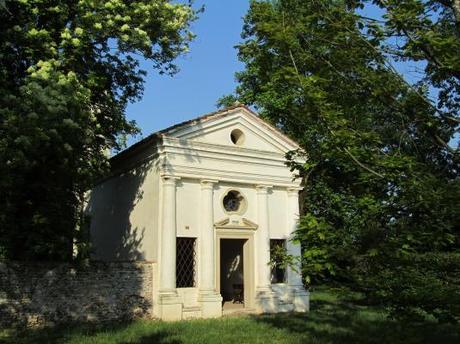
244 231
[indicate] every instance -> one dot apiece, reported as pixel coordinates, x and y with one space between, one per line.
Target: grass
336 317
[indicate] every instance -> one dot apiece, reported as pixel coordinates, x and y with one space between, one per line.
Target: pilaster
265 297
301 297
210 299
169 302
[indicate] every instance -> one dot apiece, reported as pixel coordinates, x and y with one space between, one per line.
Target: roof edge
156 136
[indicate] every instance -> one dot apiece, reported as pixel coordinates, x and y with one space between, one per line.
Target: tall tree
381 181
428 32
68 69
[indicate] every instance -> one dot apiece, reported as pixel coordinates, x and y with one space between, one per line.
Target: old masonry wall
34 294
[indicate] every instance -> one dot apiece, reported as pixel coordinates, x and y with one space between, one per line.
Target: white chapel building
205 201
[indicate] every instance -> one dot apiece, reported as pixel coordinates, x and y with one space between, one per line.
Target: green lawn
335 317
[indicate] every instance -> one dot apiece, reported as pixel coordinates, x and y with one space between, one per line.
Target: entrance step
285 306
238 311
191 312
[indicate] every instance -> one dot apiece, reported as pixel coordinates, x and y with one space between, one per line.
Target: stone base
285 306
266 301
192 312
169 306
211 304
301 299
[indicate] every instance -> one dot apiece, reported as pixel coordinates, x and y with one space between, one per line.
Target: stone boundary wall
35 294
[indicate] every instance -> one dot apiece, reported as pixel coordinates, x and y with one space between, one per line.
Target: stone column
300 295
210 299
169 303
265 299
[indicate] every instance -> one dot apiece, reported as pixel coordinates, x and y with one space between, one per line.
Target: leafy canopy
68 70
381 179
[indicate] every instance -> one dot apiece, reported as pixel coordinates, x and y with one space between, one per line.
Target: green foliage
280 259
336 316
317 240
418 285
68 70
430 32
381 180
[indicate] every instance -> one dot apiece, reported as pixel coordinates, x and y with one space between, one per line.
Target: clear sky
207 71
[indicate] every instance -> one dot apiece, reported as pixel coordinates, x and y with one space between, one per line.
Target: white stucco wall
123 209
137 214
277 205
221 135
198 160
188 208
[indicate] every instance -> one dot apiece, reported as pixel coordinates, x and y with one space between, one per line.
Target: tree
427 31
381 181
68 70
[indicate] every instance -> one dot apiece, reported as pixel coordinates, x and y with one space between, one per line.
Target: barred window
277 250
185 262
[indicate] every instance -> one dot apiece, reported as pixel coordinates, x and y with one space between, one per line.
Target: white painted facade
173 183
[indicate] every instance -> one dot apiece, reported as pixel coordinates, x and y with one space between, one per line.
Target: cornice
170 142
210 118
199 173
294 191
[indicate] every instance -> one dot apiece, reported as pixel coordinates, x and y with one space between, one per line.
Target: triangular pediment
240 223
222 128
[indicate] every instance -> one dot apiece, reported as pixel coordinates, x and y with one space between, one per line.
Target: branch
424 47
456 9
290 53
389 66
362 165
330 130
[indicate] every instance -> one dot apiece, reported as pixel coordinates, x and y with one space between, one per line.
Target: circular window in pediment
234 202
237 137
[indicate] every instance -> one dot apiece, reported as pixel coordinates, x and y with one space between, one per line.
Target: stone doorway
231 243
232 281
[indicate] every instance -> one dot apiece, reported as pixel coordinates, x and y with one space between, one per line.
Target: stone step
238 311
191 312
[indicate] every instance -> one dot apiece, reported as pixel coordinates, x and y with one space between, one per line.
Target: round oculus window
234 202
237 137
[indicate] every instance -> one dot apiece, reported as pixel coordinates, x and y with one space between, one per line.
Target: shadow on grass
345 321
335 317
161 337
84 332
156 339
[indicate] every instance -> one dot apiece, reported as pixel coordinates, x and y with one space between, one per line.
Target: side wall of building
124 214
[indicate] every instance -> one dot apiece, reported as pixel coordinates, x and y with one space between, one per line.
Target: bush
418 285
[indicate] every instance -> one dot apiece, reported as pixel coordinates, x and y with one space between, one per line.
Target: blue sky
207 71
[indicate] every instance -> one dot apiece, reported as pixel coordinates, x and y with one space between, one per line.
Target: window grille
277 249
185 262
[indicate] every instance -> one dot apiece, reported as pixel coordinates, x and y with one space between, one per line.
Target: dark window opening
232 201
185 262
277 251
237 137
